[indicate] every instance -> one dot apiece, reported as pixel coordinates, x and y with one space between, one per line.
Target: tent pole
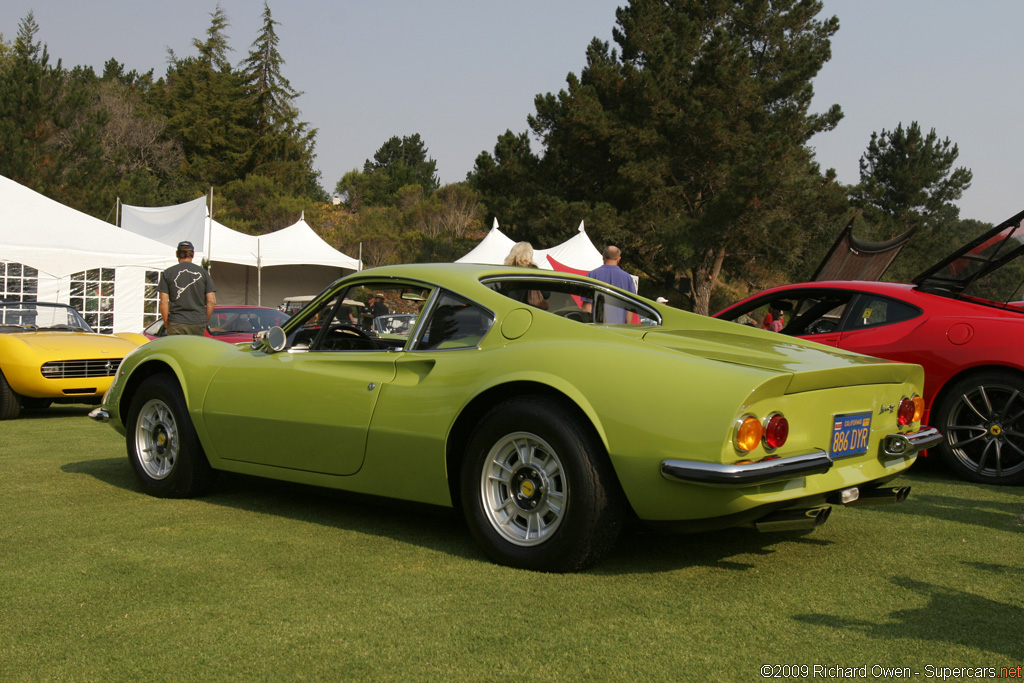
209 234
259 274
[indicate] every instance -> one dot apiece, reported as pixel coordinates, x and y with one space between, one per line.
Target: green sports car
513 399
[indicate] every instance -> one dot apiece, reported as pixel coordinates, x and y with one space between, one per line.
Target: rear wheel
982 419
538 491
10 408
162 444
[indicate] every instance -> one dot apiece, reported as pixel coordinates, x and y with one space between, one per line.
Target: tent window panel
151 298
92 294
18 282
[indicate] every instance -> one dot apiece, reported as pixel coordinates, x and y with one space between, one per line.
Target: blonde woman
521 255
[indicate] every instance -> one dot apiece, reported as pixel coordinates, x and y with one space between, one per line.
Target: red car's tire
982 419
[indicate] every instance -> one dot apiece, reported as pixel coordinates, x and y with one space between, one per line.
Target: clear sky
461 72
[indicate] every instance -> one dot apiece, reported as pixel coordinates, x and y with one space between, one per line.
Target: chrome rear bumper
782 469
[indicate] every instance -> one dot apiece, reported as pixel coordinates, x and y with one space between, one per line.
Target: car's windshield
18 316
365 316
244 320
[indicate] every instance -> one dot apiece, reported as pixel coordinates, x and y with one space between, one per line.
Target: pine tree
684 143
282 145
206 107
48 132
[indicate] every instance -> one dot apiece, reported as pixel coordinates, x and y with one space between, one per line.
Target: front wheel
982 419
10 407
163 448
538 490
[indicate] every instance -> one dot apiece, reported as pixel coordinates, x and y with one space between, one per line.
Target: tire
163 448
538 491
10 408
982 420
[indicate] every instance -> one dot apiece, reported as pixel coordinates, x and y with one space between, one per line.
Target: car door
304 410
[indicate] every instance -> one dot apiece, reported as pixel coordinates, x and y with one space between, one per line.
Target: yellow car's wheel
537 488
9 406
162 444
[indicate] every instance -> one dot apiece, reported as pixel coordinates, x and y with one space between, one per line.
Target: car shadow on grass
429 526
638 550
951 616
972 503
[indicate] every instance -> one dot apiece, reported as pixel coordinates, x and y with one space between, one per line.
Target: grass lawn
270 581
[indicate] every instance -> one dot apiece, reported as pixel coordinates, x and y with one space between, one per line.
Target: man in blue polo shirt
613 275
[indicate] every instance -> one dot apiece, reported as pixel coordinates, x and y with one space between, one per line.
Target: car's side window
874 310
799 313
454 323
575 301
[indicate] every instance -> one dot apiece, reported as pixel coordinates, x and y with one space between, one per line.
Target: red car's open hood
977 259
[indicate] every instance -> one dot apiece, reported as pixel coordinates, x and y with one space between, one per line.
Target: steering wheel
348 329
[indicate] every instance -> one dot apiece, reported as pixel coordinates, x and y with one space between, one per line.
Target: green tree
282 145
685 143
398 162
48 129
207 111
908 177
908 183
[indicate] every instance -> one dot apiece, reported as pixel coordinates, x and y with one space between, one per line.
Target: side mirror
276 339
272 340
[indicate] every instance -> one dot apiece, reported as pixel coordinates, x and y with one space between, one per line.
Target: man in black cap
186 295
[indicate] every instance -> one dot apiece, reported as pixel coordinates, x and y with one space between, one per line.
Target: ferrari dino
547 428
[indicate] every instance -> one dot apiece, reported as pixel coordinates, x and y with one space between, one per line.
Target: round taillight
749 434
776 431
905 413
918 408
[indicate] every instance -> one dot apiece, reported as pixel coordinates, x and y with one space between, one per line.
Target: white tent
493 248
292 261
578 253
300 262
66 256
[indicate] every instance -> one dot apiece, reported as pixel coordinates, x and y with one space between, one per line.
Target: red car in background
232 324
962 320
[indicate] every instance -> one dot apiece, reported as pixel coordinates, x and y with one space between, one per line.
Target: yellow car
48 354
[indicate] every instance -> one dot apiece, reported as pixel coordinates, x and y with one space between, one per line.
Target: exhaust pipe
793 520
881 496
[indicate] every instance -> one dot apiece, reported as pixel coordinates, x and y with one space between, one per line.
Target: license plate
850 434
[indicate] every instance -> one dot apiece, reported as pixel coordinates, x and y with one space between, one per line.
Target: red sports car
232 324
962 320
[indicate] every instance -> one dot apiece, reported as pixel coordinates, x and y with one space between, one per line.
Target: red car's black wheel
982 419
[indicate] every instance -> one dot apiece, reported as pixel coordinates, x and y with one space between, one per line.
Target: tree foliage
282 145
48 128
908 183
693 134
399 162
